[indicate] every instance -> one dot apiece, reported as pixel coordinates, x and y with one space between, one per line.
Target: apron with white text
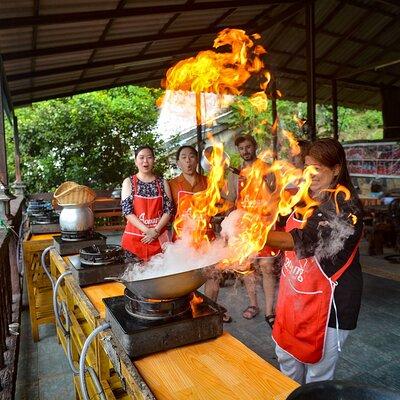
149 211
304 304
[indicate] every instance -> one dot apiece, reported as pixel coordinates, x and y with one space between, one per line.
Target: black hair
178 153
140 148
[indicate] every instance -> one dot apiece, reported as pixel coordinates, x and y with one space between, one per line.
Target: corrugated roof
55 48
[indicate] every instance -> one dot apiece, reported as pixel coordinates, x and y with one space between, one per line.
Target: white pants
321 371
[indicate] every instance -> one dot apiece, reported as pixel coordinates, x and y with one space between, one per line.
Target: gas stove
38 207
66 247
97 262
42 217
145 326
46 222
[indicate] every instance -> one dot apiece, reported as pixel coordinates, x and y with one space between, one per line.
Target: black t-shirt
331 237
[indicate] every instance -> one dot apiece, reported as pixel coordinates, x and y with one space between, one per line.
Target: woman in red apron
321 281
147 206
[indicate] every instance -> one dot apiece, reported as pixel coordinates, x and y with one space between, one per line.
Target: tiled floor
371 353
43 370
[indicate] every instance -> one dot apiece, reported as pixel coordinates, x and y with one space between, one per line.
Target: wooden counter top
221 368
96 293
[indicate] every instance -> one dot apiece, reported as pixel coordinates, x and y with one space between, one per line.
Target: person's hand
150 235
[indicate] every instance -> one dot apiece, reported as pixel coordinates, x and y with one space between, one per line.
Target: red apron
184 196
304 304
149 210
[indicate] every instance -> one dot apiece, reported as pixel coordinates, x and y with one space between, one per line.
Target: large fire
264 194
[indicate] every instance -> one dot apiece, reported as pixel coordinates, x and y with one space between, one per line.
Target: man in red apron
321 281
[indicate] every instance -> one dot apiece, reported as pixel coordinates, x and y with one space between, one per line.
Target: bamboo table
37 283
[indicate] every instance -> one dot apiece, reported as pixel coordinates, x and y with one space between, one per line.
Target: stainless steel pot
167 286
76 217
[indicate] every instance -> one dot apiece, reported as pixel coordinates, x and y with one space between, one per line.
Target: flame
264 193
294 146
221 73
340 189
195 303
299 121
194 212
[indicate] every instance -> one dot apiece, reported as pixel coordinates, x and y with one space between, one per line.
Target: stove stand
97 262
66 247
140 336
91 275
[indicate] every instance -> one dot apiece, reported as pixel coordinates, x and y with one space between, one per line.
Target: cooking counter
221 368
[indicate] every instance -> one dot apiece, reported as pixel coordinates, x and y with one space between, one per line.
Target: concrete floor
371 353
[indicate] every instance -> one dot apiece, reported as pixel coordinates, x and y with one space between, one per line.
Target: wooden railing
10 300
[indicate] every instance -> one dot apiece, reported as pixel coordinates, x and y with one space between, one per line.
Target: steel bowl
168 286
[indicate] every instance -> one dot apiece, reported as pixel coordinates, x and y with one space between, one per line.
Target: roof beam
18 22
87 90
49 51
104 63
320 26
371 7
385 28
117 75
353 39
79 81
99 44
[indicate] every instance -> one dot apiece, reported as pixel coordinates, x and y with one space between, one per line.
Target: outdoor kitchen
199 200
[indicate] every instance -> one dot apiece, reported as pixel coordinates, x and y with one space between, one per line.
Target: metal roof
56 48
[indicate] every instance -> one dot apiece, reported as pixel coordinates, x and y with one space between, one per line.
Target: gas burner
101 254
68 247
151 309
38 207
45 218
74 236
140 336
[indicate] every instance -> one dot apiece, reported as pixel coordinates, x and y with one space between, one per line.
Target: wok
167 286
341 390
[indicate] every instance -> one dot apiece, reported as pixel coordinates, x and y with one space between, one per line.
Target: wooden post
310 60
3 154
335 125
199 129
274 113
17 154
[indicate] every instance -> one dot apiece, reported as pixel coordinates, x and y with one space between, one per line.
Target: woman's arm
280 240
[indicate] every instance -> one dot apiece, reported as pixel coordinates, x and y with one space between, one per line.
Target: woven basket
73 193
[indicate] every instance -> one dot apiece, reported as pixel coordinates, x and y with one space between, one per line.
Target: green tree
354 124
87 138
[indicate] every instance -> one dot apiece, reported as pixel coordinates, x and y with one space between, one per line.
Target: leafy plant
87 138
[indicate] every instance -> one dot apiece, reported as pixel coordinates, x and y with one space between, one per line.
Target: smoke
178 257
332 233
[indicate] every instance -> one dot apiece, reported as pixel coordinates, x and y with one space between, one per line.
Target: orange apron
182 207
149 211
304 304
